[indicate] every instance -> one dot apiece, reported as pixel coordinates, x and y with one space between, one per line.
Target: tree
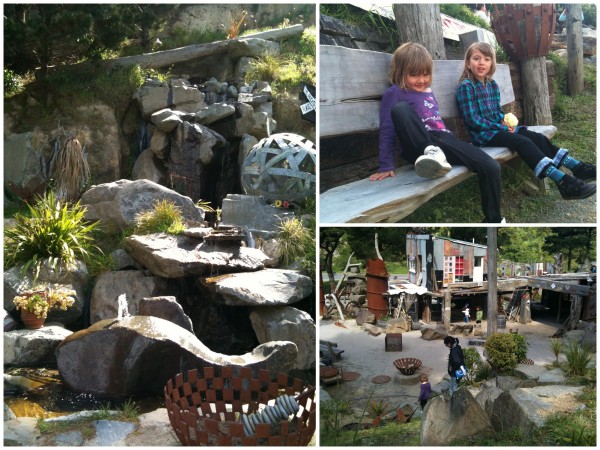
37 36
573 243
421 23
523 244
330 238
574 49
392 242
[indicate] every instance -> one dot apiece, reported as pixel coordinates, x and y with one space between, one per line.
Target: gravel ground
556 210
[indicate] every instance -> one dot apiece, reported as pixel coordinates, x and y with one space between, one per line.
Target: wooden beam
559 286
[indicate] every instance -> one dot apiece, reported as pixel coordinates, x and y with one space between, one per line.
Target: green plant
473 364
463 13
579 357
165 217
557 346
294 240
12 82
379 407
55 233
331 412
69 169
40 300
505 351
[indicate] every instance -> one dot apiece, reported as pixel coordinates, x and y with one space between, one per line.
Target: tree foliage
576 244
37 36
523 244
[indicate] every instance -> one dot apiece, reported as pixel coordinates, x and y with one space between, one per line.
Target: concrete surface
365 354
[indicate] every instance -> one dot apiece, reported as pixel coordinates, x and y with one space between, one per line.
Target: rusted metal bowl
407 366
206 407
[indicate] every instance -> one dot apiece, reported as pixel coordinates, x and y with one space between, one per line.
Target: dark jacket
455 359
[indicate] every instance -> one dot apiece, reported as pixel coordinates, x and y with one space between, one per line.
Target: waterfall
123 308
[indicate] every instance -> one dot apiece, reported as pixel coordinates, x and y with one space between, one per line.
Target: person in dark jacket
456 361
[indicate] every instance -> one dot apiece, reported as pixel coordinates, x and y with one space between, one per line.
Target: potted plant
34 304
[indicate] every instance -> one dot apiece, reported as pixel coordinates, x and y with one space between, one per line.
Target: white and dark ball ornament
281 167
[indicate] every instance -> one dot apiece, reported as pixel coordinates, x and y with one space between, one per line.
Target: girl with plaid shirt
479 103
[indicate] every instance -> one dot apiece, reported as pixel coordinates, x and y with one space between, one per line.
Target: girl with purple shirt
425 392
410 114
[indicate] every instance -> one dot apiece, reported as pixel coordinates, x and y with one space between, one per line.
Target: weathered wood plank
352 82
394 198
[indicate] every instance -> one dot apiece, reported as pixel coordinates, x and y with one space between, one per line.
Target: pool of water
47 396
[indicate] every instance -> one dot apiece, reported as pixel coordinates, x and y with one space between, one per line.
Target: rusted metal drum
207 407
524 30
377 284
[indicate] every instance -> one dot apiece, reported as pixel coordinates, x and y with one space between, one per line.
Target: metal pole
492 303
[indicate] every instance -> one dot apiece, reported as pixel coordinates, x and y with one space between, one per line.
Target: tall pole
574 50
492 303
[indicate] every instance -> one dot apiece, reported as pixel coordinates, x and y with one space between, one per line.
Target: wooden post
574 49
447 309
492 303
536 97
421 22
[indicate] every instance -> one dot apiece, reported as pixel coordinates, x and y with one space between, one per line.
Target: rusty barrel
377 285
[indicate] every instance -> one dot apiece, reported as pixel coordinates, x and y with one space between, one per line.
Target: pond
47 396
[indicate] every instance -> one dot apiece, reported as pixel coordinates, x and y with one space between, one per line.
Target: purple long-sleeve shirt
425 391
426 107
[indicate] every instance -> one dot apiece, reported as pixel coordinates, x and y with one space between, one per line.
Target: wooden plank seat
351 85
329 350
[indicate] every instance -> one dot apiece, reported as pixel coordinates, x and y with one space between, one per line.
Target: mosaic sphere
281 167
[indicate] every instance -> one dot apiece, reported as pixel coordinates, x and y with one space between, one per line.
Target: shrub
556 347
166 217
12 82
294 240
472 363
331 412
578 356
56 232
505 351
379 407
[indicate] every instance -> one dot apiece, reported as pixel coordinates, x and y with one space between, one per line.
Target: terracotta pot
376 421
31 321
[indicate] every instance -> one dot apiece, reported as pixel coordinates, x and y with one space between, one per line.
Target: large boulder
166 308
447 418
430 334
179 256
279 323
117 204
140 353
154 96
528 408
268 287
33 347
135 284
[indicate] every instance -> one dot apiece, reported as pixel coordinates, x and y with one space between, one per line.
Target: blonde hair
486 50
423 377
409 59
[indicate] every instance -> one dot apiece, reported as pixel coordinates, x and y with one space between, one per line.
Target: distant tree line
39 36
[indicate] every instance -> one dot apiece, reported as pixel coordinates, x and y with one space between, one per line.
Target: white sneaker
432 164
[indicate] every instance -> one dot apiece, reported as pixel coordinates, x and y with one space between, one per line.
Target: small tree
505 351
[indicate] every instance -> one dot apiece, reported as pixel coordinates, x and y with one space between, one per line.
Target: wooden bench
351 84
330 351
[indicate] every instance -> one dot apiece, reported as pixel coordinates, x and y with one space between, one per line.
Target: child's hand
510 129
382 175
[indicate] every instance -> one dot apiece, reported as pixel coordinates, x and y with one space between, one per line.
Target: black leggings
414 137
532 147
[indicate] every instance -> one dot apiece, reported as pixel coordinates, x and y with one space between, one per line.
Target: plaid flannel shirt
480 107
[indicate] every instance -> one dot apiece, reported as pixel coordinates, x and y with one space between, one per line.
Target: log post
492 301
574 50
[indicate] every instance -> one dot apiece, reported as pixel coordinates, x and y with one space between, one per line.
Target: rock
540 374
117 204
429 334
278 323
76 278
244 122
123 260
399 325
508 383
159 144
148 167
487 397
22 165
373 330
135 284
166 308
214 112
365 316
154 429
21 432
152 98
179 256
9 322
165 120
69 439
272 248
252 47
8 413
156 349
33 347
246 143
448 418
111 433
254 99
527 408
241 67
264 125
248 210
267 287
